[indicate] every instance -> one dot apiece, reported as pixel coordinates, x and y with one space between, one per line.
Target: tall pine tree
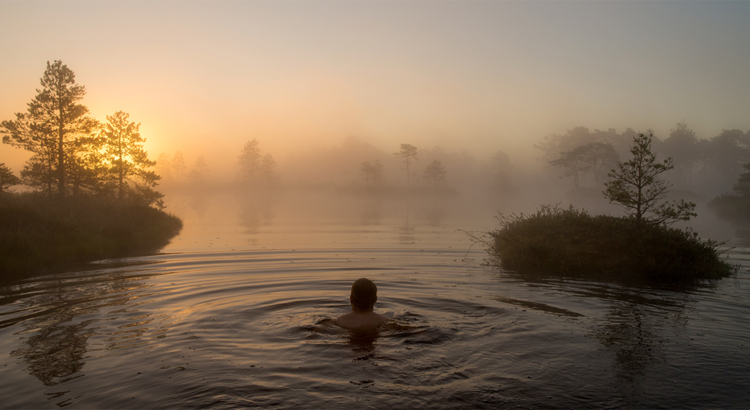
127 161
52 127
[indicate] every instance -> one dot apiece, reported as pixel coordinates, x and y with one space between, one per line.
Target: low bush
573 243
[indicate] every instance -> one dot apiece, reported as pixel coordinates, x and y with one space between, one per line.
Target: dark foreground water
235 314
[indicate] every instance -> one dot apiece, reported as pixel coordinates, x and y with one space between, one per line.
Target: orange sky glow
204 77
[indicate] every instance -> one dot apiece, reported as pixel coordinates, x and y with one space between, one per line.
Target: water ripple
247 328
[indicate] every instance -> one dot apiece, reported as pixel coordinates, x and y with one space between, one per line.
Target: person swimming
362 317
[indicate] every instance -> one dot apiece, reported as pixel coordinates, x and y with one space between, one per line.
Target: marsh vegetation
572 243
40 234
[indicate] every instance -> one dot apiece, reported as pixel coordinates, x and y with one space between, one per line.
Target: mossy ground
39 234
572 243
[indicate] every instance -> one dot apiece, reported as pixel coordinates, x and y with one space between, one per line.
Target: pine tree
51 128
636 187
127 161
250 163
7 178
409 153
436 173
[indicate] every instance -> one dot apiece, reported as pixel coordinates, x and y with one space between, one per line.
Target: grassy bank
39 235
572 243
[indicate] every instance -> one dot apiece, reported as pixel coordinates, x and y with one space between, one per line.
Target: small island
639 247
89 193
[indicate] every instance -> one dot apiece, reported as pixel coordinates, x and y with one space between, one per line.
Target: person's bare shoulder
360 321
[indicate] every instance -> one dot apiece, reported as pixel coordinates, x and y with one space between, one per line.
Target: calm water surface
235 313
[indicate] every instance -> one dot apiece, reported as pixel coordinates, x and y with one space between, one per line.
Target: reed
42 235
572 243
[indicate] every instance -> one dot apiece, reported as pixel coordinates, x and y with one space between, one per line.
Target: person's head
364 294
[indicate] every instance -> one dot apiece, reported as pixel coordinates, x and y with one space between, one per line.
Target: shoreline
39 235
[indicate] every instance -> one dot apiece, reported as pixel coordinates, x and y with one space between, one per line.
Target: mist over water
236 310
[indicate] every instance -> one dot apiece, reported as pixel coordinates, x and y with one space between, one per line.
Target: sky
205 77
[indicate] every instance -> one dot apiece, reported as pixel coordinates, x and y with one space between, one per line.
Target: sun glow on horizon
472 77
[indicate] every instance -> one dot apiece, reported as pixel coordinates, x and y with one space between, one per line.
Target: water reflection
635 328
407 233
362 341
199 204
51 313
434 212
743 235
632 336
55 353
635 331
257 210
371 213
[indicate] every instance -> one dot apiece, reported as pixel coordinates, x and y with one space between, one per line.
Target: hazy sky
208 76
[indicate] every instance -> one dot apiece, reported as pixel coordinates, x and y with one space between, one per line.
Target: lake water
235 313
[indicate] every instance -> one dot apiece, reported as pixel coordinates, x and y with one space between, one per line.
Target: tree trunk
119 192
61 158
407 172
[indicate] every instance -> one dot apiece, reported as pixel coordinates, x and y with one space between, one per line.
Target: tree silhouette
86 164
250 162
553 145
257 170
38 173
731 149
436 173
742 186
595 158
573 163
52 125
681 146
599 157
163 167
502 171
409 153
177 166
23 133
128 161
734 207
267 173
635 186
199 173
7 179
373 173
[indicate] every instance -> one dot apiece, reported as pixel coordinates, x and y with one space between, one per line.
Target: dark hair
364 294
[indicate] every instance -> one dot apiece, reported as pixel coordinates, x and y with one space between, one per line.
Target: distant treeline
354 166
709 166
